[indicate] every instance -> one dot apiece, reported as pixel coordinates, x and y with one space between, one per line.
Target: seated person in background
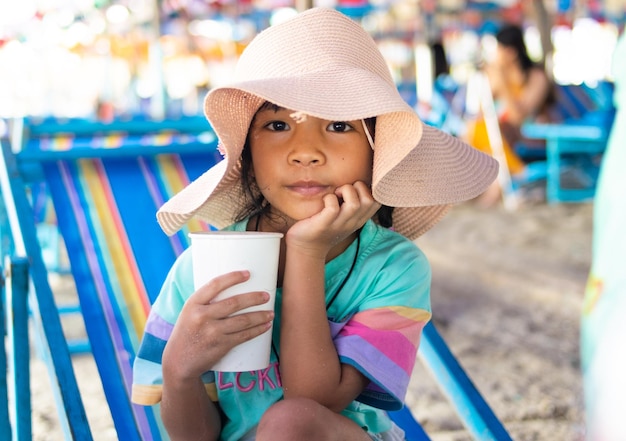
521 90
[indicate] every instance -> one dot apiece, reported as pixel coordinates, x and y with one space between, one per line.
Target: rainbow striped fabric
105 208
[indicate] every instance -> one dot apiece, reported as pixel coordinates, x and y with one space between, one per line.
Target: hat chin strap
367 133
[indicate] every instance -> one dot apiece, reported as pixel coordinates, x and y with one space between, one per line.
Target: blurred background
117 59
508 285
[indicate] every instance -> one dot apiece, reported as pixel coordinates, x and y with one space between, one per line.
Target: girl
319 146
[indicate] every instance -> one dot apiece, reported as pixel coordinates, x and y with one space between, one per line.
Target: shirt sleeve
147 368
382 338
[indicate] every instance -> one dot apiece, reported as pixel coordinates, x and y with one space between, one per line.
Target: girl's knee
297 418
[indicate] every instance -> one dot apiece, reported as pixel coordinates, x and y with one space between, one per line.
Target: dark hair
440 61
256 203
512 36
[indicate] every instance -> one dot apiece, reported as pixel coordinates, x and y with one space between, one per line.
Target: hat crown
317 40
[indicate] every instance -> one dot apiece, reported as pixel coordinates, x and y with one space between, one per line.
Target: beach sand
506 296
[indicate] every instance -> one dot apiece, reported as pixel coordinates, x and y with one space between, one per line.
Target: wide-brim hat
324 64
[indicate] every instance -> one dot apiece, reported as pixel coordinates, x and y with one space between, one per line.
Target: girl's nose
307 149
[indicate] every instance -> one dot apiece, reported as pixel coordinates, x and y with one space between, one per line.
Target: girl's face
296 164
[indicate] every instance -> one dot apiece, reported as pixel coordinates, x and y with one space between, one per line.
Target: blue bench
575 144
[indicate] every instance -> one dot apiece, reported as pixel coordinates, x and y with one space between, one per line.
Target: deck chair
55 134
105 200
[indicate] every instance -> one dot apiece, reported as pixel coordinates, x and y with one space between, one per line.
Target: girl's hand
344 212
205 331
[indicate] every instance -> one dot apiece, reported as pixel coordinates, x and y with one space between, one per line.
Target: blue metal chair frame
15 322
46 319
587 114
575 138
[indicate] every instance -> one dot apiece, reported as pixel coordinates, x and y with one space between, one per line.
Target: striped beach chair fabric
105 190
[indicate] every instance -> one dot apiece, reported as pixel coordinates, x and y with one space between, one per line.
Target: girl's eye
340 126
277 126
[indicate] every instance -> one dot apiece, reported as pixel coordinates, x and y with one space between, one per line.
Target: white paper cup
219 252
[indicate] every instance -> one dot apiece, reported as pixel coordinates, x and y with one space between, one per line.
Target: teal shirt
376 322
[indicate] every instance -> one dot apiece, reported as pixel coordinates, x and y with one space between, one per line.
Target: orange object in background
478 138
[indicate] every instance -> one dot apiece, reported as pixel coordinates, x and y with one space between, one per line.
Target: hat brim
417 168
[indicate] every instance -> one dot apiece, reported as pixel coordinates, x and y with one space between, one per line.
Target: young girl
319 146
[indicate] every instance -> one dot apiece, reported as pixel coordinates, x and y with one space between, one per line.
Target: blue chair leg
471 407
553 184
413 431
45 313
5 422
17 308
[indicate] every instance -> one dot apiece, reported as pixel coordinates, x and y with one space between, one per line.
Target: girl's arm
202 335
309 363
186 410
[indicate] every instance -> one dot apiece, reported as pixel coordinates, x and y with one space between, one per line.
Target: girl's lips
308 188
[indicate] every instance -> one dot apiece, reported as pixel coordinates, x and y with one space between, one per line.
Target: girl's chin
295 215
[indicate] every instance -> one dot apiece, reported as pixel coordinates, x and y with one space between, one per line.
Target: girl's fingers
345 211
357 194
206 332
348 195
245 325
366 198
358 202
235 304
364 192
250 333
206 293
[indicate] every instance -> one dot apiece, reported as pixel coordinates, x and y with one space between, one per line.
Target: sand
506 295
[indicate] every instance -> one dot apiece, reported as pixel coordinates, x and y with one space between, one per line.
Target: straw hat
324 64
